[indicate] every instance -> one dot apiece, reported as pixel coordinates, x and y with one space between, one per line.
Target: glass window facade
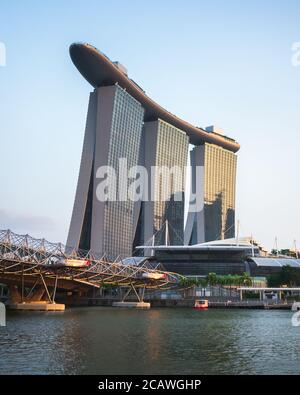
219 192
171 151
115 130
125 140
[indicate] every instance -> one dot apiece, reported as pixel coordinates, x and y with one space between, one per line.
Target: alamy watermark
296 319
296 54
137 183
2 54
2 314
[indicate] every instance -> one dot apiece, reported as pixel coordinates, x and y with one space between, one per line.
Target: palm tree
246 279
212 279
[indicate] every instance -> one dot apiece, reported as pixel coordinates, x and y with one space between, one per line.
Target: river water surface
96 340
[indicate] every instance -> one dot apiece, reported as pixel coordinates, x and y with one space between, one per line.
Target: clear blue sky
210 62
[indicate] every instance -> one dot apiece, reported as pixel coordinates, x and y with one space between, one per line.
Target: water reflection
182 341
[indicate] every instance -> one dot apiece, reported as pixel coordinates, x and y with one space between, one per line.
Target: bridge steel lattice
27 261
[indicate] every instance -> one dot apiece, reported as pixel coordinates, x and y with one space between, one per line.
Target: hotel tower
126 129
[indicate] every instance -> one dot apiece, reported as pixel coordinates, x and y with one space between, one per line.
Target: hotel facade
125 130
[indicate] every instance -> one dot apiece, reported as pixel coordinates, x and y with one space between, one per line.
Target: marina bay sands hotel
123 122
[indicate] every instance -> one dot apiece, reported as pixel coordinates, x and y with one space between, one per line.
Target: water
97 340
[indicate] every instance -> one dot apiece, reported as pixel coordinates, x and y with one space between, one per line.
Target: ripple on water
175 341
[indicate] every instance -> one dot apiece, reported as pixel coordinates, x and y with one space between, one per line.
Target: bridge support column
22 286
36 294
38 298
140 304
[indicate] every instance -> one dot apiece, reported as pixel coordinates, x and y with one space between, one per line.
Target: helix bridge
35 263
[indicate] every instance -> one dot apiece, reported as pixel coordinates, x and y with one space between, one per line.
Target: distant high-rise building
123 123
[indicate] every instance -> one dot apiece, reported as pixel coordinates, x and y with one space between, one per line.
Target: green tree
202 282
274 280
246 280
212 279
288 275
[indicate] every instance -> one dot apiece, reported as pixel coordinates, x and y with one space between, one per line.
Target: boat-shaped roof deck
99 70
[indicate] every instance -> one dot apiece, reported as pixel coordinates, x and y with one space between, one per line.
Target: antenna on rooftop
237 232
252 245
276 246
296 251
153 244
167 233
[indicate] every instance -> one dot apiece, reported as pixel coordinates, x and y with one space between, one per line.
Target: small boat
201 304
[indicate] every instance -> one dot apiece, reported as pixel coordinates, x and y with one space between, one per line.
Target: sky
225 63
